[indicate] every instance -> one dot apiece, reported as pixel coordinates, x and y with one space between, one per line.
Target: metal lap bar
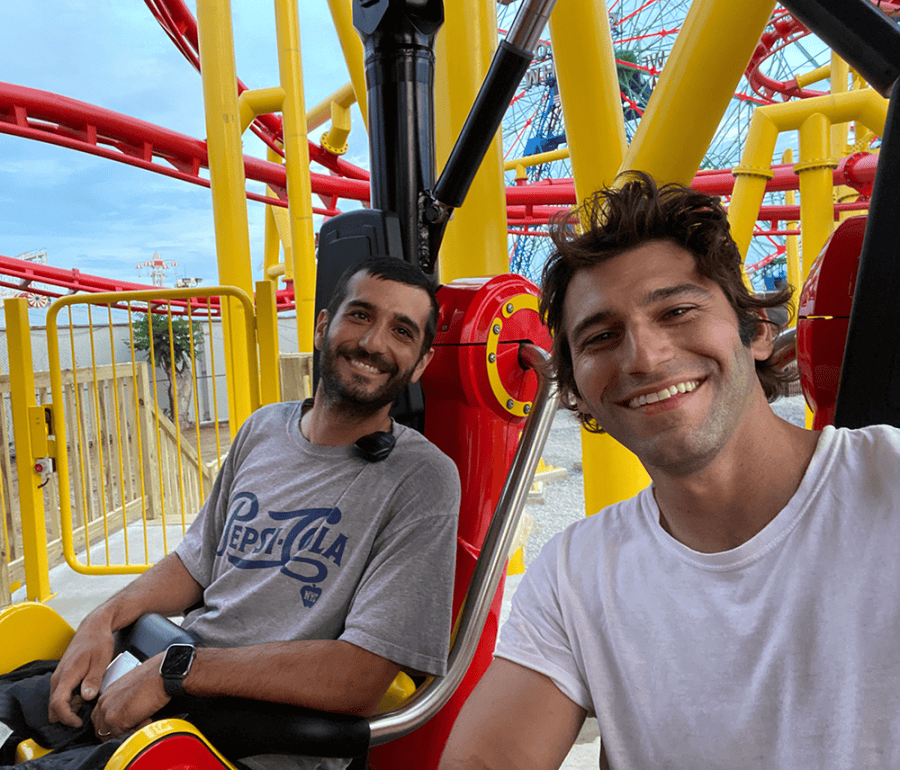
128 459
489 568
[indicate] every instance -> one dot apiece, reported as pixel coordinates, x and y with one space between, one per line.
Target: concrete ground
561 503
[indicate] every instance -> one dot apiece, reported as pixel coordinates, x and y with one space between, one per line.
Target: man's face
373 346
657 359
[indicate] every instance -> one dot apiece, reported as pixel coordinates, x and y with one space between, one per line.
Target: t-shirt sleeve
402 606
535 634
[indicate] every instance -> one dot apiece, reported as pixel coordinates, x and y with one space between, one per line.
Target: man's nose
644 349
375 339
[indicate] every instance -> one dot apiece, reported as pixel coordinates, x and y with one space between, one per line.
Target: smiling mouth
662 395
364 367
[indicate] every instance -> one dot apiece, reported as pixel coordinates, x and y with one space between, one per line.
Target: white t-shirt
781 653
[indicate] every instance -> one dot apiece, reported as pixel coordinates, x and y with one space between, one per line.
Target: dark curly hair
616 220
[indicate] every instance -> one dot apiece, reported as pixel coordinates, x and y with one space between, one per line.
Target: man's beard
356 399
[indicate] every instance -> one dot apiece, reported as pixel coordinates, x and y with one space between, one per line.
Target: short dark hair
616 220
391 269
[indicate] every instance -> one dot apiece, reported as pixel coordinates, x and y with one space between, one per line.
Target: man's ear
420 367
321 328
763 341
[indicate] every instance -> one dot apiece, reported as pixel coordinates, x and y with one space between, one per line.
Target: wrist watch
176 664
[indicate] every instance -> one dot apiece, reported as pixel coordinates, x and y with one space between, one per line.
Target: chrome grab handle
431 697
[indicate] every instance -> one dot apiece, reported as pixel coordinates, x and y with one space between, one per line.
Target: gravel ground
564 504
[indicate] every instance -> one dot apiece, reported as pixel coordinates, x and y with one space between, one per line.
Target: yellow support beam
351 45
296 152
29 447
228 185
267 337
463 53
321 113
589 92
696 87
595 128
865 106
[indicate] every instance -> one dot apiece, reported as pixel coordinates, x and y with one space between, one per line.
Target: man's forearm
167 588
327 675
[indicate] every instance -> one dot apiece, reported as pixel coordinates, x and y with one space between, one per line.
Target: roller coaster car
824 317
479 389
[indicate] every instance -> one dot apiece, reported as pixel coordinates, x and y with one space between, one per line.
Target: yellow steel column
589 92
750 178
267 336
816 187
342 16
595 132
795 274
23 401
696 86
840 75
277 235
296 152
475 242
226 172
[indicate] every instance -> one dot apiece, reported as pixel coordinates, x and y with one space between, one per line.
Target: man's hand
78 675
129 702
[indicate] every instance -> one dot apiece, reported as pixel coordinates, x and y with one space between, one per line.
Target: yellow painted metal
335 139
141 740
251 377
321 113
864 106
259 102
277 234
342 16
227 182
296 152
840 76
615 469
805 79
816 186
536 160
267 334
695 87
513 305
400 689
595 129
31 631
30 749
795 275
31 499
463 52
589 92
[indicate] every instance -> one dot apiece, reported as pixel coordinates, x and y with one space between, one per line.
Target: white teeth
364 366
662 395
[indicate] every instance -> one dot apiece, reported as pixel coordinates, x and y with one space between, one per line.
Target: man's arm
166 588
327 675
515 719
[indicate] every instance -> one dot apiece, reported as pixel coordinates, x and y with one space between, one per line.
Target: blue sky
104 217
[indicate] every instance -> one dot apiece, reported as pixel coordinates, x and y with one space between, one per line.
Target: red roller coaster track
47 117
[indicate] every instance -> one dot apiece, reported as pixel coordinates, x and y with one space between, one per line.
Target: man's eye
404 332
676 313
600 338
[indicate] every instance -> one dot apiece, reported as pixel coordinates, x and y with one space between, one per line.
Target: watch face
177 661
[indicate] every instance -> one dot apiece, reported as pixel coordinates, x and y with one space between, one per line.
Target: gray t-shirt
299 541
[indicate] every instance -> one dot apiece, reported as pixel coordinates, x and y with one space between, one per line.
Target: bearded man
323 559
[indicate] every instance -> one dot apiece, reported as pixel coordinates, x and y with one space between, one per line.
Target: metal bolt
492 357
509 308
496 329
527 408
510 404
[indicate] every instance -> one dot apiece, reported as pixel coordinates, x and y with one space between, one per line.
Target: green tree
173 355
